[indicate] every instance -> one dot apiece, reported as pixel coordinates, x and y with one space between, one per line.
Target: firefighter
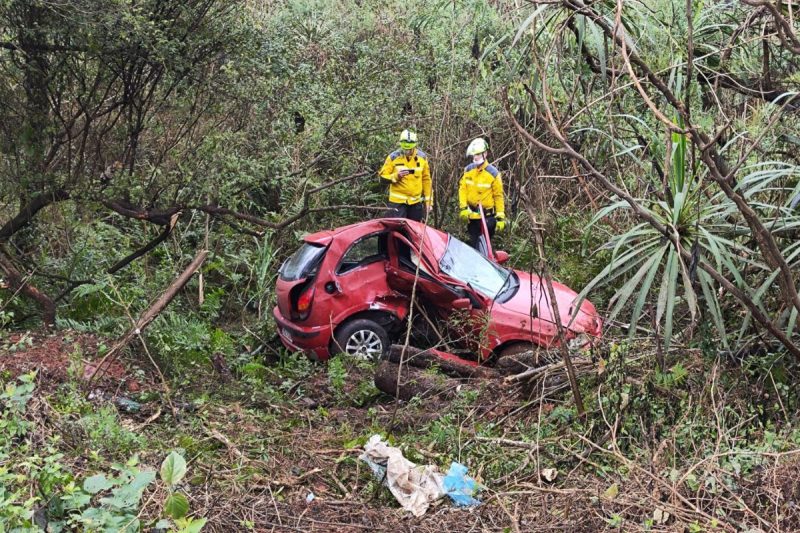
481 185
409 174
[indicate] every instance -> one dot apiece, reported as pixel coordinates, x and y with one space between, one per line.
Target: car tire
362 339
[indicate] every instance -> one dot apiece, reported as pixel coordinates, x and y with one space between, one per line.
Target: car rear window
303 263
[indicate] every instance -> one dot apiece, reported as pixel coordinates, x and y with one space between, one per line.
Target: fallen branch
581 365
226 441
562 340
509 442
427 359
518 363
149 314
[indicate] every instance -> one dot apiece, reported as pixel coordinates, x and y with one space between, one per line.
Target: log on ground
520 362
406 382
426 359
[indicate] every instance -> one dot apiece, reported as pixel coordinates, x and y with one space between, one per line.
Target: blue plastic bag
460 487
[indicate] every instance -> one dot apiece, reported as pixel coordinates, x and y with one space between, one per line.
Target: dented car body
349 290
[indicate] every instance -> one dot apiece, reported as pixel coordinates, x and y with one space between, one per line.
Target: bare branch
148 247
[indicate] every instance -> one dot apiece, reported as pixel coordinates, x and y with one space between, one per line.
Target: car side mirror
501 257
461 303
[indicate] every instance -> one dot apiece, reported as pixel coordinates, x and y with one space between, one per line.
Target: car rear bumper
313 340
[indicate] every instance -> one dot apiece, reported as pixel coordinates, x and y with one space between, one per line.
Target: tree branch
151 312
786 34
162 217
8 45
29 211
148 247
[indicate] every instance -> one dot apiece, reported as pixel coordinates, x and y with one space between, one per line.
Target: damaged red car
349 290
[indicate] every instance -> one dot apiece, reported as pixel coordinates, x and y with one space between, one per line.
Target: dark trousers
411 212
476 232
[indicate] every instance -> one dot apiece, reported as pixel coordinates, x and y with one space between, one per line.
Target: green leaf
679 373
173 469
663 291
645 289
127 496
707 285
670 310
688 289
757 297
176 505
95 484
527 22
678 163
599 46
611 492
792 321
191 526
623 295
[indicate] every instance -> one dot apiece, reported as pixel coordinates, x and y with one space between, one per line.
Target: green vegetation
60 501
655 142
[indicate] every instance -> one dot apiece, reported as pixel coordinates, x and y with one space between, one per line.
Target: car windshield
464 263
303 263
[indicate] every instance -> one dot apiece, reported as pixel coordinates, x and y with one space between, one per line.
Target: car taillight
304 303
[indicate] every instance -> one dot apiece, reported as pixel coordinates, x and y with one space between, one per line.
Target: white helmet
477 146
408 140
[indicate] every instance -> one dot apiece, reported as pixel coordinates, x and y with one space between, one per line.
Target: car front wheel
362 339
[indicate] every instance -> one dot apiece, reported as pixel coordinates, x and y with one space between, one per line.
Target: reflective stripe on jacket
413 188
481 184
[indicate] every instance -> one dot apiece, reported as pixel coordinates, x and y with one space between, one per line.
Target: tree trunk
18 284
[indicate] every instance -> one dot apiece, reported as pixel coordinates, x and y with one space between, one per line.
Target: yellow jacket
481 184
413 188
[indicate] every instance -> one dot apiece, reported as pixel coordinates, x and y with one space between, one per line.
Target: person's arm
497 194
427 184
388 171
465 212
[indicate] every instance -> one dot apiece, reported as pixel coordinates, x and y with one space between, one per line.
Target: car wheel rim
364 344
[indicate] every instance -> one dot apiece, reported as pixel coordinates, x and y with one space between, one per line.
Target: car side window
367 250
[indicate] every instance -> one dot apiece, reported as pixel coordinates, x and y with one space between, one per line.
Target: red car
349 290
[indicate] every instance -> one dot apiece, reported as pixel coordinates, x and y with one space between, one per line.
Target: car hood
531 299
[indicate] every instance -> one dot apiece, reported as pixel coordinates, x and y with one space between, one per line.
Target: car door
407 266
359 277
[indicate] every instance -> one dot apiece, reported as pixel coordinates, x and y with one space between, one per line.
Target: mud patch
57 356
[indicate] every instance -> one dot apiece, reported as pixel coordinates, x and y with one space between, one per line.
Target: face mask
477 159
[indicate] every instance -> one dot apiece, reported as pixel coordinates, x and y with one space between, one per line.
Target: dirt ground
56 356
276 449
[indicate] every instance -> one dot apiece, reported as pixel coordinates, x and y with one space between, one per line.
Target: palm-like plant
703 223
711 227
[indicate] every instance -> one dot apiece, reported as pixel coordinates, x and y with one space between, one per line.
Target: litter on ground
417 486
